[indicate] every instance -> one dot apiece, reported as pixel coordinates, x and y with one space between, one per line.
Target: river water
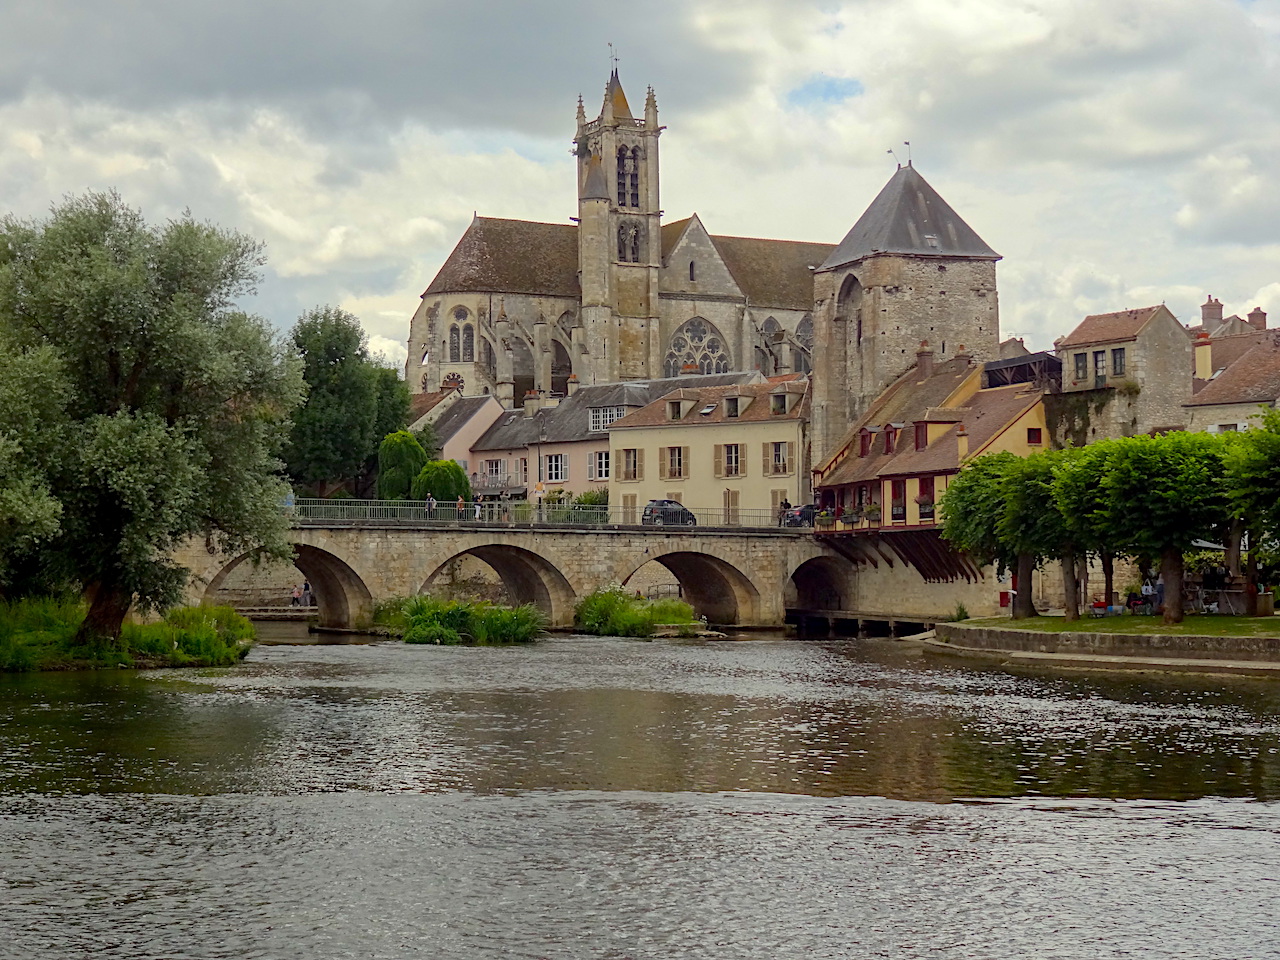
607 798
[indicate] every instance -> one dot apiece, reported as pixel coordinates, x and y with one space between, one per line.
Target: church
616 294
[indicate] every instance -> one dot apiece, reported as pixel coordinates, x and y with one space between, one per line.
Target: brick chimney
1258 318
532 402
924 360
1211 311
1203 356
690 369
962 443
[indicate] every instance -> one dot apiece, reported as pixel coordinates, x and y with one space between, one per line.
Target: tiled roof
512 256
1253 378
909 217
907 399
1110 327
570 419
773 273
758 410
985 415
420 404
1225 351
671 233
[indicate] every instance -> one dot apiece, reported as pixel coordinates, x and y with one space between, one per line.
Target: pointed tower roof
593 185
621 109
909 217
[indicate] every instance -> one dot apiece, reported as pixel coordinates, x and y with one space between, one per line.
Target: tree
426 436
400 460
1080 497
352 403
1162 494
442 479
1252 462
33 395
1032 525
973 507
176 403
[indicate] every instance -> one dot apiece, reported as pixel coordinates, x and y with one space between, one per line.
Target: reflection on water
592 797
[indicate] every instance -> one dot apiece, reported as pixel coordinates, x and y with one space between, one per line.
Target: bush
614 613
400 460
444 480
429 620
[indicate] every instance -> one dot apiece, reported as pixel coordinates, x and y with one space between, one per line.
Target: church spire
615 100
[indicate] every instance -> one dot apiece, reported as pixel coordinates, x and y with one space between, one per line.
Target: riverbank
1208 644
37 634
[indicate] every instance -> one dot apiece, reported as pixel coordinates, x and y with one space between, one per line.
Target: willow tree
177 402
400 460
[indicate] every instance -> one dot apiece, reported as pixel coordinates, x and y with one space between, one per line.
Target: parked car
667 512
801 516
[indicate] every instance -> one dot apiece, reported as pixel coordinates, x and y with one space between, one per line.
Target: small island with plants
615 613
425 619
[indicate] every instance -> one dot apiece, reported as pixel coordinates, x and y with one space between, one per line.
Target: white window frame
599 465
556 467
733 462
601 417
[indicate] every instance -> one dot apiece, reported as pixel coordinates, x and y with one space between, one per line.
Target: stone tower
619 236
910 270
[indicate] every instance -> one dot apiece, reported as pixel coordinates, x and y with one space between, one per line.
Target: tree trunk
1108 576
1171 570
1070 586
1232 557
108 605
1251 578
1023 606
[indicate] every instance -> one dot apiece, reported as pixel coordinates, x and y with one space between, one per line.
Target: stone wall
1111 644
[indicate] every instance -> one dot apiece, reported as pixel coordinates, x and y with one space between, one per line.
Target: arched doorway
342 599
714 588
526 577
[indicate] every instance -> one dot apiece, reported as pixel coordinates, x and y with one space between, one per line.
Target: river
605 798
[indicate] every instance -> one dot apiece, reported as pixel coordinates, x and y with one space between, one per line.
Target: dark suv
799 516
667 512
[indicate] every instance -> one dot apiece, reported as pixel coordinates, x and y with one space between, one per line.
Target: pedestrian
783 507
479 501
431 507
297 596
1160 592
506 510
461 507
306 593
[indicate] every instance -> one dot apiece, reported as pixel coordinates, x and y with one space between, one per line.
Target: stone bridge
741 577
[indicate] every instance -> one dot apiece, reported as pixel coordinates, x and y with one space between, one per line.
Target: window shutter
742 459
640 463
664 458
719 459
591 466
564 467
767 462
684 462
791 456
620 461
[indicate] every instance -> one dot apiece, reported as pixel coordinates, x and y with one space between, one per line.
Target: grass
425 619
37 634
614 613
1206 625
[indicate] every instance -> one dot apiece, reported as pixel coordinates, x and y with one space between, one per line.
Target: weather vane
613 56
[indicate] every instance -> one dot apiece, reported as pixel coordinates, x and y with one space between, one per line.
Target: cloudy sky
1117 152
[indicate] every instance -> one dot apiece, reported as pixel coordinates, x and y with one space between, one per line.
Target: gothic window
468 343
691 271
700 343
623 159
801 355
454 344
772 330
486 356
635 176
804 332
629 242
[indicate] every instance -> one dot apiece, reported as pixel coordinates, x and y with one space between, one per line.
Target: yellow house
731 454
887 474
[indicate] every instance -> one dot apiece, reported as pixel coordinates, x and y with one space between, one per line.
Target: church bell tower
619 235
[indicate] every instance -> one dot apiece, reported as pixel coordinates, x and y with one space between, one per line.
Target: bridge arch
819 583
527 577
715 588
343 601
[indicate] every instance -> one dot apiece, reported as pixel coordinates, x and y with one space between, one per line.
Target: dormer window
778 403
864 443
922 435
731 407
890 435
673 409
709 408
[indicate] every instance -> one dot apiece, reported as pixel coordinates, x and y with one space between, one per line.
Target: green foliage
598 497
442 479
426 437
352 403
171 406
400 459
962 613
613 612
973 505
425 619
1252 461
1031 522
39 633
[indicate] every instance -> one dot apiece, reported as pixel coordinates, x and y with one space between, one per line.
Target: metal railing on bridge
487 513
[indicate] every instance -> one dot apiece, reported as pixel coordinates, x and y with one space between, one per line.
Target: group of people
302 595
481 509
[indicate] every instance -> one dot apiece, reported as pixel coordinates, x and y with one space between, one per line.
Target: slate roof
593 186
1110 327
621 109
1254 378
757 411
773 273
512 256
900 220
570 420
453 419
